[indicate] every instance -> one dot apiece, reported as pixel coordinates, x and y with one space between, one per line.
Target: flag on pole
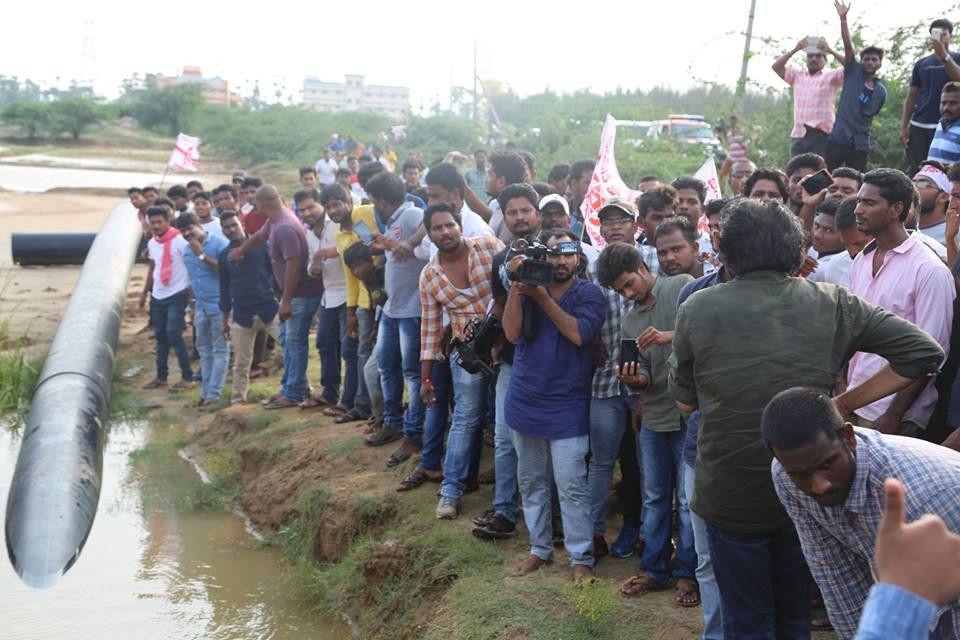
186 153
707 174
605 183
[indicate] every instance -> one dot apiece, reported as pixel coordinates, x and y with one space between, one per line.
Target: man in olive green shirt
737 345
650 323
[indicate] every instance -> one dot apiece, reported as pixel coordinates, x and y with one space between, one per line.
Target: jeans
214 353
470 390
435 425
630 490
568 456
366 337
709 592
244 340
662 454
371 378
167 318
813 141
398 353
334 347
764 588
506 493
295 337
608 419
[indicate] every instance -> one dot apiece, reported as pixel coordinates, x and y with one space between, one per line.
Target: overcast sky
424 45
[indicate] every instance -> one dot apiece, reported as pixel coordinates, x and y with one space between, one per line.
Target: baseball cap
554 198
621 204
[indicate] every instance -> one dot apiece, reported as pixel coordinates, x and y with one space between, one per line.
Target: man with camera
547 404
458 281
521 215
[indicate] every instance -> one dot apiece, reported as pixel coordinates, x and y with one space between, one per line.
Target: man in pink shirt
897 272
814 96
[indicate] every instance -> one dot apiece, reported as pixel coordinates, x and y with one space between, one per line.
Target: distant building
354 95
215 90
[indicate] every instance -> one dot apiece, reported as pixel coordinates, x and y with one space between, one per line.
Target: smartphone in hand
629 352
817 182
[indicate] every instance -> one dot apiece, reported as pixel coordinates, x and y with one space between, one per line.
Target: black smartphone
628 352
817 182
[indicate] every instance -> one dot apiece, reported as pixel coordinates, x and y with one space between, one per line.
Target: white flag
707 174
605 183
186 153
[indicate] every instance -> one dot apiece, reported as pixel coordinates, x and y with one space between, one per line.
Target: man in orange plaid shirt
457 281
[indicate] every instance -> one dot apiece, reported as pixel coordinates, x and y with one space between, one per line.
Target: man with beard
650 322
506 168
799 168
677 247
581 172
946 139
653 207
830 477
547 404
934 188
457 281
814 96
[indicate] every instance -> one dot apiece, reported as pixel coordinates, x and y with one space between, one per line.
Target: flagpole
164 178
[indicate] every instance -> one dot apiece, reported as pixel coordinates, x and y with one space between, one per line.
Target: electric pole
742 82
476 112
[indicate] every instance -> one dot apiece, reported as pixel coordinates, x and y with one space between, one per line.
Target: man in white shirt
167 283
334 344
827 241
326 169
203 208
445 185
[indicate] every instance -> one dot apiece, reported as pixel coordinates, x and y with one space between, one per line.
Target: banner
186 153
606 183
707 174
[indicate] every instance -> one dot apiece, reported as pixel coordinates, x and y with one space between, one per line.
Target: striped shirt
438 294
838 542
814 99
946 142
605 382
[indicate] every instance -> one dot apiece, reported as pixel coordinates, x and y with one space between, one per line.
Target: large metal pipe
50 248
56 484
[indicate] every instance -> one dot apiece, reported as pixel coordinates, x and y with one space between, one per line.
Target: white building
354 95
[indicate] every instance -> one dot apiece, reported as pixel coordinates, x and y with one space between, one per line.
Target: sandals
381 437
687 587
335 411
312 402
352 415
640 585
156 383
279 402
416 479
404 453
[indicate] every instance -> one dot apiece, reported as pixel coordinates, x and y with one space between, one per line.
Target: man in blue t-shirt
861 99
548 401
202 259
921 112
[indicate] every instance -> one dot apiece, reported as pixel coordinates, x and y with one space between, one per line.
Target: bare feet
582 573
531 564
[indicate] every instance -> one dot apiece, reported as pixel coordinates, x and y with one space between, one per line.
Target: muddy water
150 571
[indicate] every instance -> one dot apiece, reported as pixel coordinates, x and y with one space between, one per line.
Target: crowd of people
757 367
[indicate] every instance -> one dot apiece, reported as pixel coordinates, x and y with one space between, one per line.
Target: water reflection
150 572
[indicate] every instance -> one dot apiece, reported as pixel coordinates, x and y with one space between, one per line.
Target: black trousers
839 155
813 141
918 147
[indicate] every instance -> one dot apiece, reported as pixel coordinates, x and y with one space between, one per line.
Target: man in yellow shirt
357 224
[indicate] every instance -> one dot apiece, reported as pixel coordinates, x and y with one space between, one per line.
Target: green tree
74 115
168 110
31 117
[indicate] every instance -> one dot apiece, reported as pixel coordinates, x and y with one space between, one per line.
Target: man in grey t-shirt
398 340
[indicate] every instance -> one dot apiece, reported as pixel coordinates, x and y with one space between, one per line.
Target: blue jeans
167 318
470 390
366 337
662 454
568 457
764 584
709 592
214 353
506 493
435 425
296 336
609 417
334 346
398 353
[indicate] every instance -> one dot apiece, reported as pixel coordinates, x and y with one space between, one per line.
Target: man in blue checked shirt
830 478
946 141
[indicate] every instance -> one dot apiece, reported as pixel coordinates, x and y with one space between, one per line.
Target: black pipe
56 484
50 248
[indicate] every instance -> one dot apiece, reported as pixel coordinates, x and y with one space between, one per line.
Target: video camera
473 354
535 270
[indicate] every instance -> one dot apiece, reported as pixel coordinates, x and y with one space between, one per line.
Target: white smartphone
363 232
813 43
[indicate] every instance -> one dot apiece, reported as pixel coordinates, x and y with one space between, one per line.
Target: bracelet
427 380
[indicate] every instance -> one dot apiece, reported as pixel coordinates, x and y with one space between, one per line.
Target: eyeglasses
616 222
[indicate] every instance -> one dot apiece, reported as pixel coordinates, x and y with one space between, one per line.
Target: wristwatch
202 257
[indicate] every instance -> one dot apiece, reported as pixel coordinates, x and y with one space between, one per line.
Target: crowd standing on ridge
759 367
